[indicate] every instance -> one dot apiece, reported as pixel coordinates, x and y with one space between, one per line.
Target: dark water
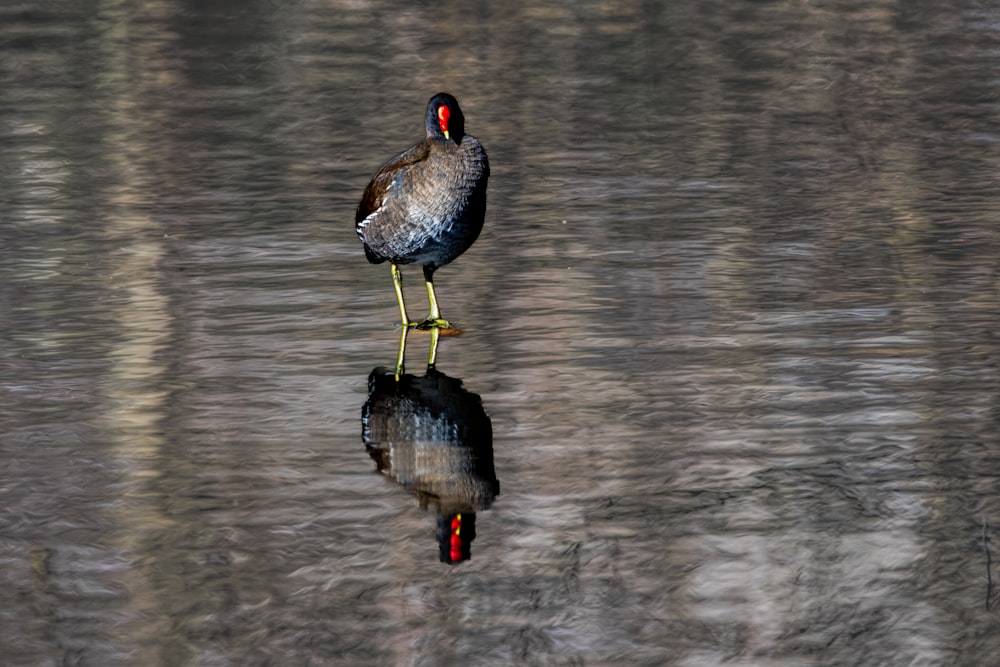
732 326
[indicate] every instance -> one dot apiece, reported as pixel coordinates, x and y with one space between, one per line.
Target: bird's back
427 205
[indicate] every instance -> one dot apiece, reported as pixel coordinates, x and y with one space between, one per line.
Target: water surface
732 322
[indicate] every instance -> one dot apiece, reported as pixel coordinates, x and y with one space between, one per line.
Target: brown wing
372 198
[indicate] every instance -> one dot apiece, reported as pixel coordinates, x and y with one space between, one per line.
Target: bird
432 436
426 206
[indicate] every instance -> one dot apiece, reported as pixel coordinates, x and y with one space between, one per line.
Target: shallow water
732 322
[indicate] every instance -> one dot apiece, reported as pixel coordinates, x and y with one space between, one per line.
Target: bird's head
445 119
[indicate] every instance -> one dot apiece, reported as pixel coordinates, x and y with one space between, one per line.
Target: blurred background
727 391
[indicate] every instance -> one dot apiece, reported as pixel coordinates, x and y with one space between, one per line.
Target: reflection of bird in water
434 438
426 206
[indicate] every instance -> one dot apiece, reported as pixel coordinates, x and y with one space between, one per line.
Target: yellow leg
435 335
397 284
433 321
401 354
432 297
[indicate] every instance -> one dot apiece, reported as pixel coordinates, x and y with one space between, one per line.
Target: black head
445 119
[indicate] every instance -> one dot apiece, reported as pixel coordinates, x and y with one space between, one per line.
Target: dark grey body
426 206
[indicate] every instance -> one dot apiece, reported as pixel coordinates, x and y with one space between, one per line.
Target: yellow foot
430 323
444 327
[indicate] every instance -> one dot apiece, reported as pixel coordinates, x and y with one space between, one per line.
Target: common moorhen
432 436
426 205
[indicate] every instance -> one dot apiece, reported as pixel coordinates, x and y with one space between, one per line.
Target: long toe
431 323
